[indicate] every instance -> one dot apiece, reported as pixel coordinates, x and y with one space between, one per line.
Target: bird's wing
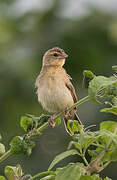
37 82
72 90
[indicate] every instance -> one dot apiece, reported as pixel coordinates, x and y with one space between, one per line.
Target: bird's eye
55 54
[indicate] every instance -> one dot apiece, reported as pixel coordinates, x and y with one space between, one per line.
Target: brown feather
54 88
72 91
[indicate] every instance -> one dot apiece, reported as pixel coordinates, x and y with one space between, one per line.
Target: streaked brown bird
54 88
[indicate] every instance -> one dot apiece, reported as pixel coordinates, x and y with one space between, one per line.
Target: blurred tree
90 41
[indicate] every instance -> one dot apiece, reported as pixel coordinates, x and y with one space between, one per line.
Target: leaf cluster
100 145
103 89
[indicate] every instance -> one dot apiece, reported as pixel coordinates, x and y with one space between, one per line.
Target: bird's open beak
64 55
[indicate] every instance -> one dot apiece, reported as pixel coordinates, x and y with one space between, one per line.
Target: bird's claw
67 114
51 121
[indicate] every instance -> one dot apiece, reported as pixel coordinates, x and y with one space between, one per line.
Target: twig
42 174
5 155
85 160
45 125
40 129
93 167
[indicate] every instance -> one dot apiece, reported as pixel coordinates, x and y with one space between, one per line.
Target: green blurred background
87 31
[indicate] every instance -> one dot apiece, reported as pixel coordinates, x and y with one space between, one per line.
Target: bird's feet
51 121
67 114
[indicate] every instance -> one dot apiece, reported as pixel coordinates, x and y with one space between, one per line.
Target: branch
93 166
5 155
42 174
37 131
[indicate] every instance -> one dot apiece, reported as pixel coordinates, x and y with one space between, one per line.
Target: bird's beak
64 55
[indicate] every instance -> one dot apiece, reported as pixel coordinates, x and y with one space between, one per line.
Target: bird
55 91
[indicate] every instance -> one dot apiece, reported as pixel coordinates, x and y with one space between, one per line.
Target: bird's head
54 57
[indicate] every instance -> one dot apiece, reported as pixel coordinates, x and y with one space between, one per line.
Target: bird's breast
54 95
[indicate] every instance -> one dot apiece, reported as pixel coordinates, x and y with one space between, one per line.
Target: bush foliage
100 145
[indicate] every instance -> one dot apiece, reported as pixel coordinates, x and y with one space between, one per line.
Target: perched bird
54 88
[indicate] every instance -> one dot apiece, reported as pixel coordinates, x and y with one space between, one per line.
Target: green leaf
2 178
2 149
85 140
0 137
13 172
112 110
58 121
96 177
49 177
28 145
69 126
74 127
21 145
16 145
26 122
114 100
106 178
61 157
93 153
76 144
72 172
111 90
108 125
114 68
87 77
42 119
108 139
88 74
99 85
19 170
93 177
113 154
107 136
